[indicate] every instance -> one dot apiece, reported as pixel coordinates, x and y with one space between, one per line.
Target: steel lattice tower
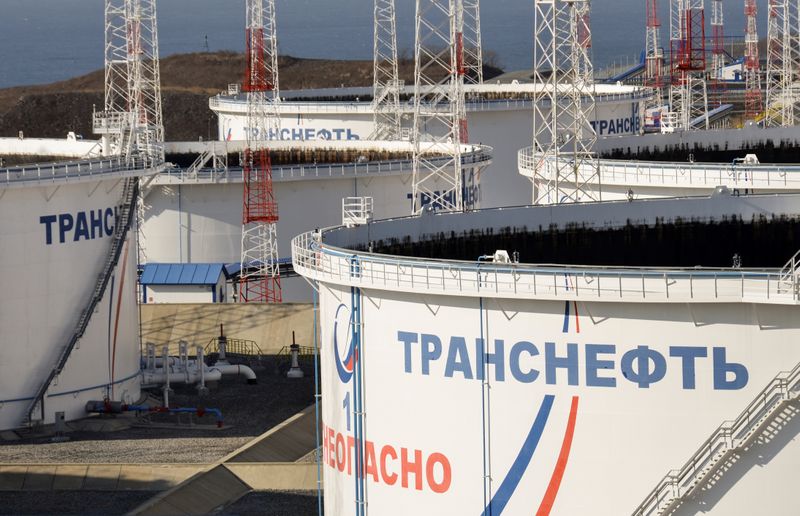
259 280
132 120
473 50
386 78
654 53
688 97
717 50
783 64
131 123
752 65
440 122
563 139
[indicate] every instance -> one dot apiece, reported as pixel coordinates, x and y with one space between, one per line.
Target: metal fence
313 259
683 175
25 175
304 172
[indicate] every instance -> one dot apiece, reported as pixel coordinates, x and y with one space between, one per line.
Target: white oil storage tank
457 379
69 321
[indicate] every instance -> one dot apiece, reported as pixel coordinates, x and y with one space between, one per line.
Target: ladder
730 437
788 280
209 155
35 411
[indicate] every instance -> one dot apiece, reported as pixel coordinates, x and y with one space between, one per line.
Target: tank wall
604 392
48 284
202 223
504 129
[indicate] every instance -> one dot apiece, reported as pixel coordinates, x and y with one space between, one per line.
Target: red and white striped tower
753 99
688 97
259 280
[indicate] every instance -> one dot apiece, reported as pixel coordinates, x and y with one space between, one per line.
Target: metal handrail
472 103
357 210
728 437
74 170
241 347
789 274
313 170
314 259
675 174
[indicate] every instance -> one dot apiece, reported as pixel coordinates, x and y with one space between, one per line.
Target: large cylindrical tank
55 239
454 387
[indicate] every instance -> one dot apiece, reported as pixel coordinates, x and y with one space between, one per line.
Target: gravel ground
249 410
88 503
275 503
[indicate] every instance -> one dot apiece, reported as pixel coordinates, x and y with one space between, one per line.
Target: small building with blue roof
184 283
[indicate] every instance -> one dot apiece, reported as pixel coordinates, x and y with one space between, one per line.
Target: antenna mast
688 96
783 64
386 85
753 103
440 122
259 280
654 53
565 168
717 50
132 122
473 50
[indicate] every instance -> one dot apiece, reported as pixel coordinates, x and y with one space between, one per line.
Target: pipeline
117 407
229 369
181 375
182 369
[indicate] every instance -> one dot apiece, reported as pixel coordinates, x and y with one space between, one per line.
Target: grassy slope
187 80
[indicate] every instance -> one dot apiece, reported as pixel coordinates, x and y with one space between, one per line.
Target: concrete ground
105 455
274 503
103 503
248 410
68 503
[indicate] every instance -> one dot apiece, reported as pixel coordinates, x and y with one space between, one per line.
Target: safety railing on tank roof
315 260
483 155
683 175
729 437
472 103
481 104
71 170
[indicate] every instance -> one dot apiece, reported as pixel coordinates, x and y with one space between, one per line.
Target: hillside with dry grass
188 80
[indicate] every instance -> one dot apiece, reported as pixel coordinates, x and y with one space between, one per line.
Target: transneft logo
303 134
387 463
84 225
342 326
623 125
642 365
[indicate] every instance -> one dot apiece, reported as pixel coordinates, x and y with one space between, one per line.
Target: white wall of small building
186 293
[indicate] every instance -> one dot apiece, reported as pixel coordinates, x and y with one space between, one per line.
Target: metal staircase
35 411
730 437
789 276
208 156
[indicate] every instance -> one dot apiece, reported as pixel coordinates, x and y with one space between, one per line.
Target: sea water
42 41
